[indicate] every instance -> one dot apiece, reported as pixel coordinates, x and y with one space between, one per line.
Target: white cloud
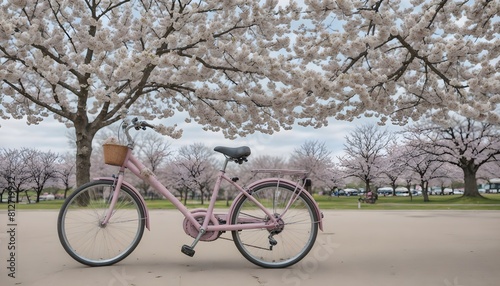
49 135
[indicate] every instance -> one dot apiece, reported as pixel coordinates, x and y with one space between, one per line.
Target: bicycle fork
115 193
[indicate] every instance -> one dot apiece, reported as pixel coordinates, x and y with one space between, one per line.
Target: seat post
225 164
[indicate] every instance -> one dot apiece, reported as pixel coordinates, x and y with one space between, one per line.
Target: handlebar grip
145 124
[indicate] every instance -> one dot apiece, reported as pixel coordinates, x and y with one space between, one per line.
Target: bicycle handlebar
141 124
137 125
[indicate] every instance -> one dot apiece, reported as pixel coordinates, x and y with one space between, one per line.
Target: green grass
488 202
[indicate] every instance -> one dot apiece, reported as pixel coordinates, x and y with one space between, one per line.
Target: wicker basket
114 154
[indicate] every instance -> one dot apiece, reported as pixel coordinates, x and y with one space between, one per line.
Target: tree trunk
84 137
470 186
367 186
425 194
28 197
66 191
408 186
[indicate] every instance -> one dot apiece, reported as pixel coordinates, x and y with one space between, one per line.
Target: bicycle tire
293 241
82 234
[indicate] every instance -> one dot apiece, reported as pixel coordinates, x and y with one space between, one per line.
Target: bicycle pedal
188 250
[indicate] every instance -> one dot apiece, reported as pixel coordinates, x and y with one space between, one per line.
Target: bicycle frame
139 170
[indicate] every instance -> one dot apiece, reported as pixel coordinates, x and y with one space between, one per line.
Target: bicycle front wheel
290 241
82 232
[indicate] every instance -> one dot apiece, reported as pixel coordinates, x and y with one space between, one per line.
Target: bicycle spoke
290 240
80 226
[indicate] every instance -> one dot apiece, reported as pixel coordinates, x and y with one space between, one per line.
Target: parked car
402 192
440 191
338 193
384 191
448 191
351 192
47 197
458 192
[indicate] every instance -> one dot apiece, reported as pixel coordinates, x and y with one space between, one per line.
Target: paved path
359 247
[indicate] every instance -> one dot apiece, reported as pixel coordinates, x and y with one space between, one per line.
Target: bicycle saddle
236 153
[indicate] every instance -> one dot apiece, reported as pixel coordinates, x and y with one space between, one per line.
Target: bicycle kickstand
189 249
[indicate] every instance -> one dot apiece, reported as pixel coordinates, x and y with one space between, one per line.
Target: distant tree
153 150
447 174
331 178
426 166
365 148
394 165
65 170
313 156
466 143
196 169
41 167
13 168
260 162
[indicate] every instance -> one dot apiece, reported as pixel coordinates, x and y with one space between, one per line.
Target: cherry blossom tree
65 170
154 151
425 165
89 62
395 165
41 167
314 157
465 143
332 178
365 148
403 59
449 173
13 171
195 170
256 162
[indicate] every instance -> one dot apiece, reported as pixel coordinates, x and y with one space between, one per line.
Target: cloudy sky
52 135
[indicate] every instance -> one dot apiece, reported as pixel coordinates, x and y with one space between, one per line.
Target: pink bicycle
274 221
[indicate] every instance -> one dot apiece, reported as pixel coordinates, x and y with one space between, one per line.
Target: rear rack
301 176
281 172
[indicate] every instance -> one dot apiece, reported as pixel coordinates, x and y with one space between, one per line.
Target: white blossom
248 66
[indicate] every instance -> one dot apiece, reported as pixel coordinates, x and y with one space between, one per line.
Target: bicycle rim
294 238
80 226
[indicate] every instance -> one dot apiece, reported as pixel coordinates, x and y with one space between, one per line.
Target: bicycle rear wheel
284 245
82 233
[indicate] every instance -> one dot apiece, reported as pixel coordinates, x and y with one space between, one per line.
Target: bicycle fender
141 199
284 182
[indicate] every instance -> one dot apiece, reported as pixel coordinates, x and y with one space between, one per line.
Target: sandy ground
447 248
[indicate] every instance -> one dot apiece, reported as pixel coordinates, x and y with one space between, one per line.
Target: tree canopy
404 59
